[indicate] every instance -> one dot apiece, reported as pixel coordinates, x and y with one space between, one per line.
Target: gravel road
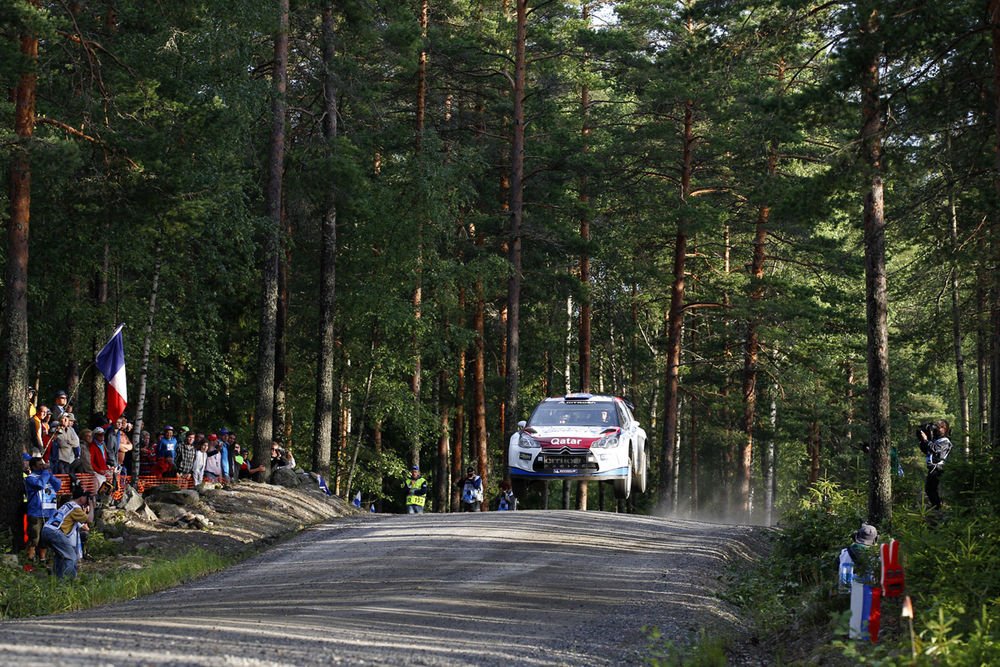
498 588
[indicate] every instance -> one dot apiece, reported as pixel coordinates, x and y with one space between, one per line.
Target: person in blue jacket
40 488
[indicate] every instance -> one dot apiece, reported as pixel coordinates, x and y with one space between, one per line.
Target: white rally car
580 436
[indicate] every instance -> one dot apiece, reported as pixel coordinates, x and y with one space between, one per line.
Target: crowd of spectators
60 445
105 449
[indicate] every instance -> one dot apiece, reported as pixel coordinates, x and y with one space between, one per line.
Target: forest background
381 231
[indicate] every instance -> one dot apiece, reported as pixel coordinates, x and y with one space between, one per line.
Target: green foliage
36 594
708 651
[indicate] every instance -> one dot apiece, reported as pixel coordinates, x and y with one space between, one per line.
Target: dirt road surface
498 588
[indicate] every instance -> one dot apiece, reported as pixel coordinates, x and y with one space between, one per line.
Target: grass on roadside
30 594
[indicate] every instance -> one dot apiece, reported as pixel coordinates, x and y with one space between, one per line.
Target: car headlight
527 442
610 440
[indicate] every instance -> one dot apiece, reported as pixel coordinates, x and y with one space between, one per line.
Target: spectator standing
936 446
416 491
472 490
59 405
40 488
200 460
82 464
167 446
40 429
185 456
65 445
63 532
99 457
214 460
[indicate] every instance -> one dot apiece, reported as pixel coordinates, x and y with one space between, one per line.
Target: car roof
581 397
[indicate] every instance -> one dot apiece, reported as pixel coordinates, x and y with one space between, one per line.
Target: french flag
111 363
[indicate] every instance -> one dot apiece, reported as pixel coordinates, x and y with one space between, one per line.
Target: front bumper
609 463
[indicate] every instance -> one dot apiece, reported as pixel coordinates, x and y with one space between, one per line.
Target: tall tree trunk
815 460
456 449
982 361
144 368
15 323
361 424
568 361
876 296
752 346
584 199
994 307
264 412
478 436
675 317
511 399
956 324
323 428
770 467
441 483
695 502
418 291
282 426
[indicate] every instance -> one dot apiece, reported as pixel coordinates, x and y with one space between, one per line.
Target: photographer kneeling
936 446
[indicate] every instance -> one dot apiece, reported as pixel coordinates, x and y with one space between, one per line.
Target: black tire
641 477
623 487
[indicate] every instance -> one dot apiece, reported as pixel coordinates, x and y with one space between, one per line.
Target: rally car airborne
580 436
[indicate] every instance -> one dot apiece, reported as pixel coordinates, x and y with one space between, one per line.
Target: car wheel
623 487
641 475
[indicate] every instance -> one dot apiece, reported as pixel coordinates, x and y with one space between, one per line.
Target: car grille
548 462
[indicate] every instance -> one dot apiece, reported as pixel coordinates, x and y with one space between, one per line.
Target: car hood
574 437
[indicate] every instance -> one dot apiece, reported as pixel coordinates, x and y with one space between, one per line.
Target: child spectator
40 488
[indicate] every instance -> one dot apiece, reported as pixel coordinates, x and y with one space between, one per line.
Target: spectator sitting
40 488
63 532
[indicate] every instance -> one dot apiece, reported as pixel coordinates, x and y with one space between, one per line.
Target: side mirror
521 424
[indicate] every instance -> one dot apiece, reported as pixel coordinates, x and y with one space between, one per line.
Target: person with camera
65 531
936 446
65 445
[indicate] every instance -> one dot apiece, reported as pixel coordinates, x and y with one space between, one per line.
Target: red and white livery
581 437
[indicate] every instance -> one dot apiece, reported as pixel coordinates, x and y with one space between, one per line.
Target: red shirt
97 459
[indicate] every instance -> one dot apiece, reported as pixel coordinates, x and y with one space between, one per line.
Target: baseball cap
98 430
415 468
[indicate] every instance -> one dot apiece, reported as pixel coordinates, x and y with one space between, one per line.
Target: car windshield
574 414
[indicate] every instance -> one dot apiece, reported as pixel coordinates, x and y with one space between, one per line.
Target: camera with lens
929 429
